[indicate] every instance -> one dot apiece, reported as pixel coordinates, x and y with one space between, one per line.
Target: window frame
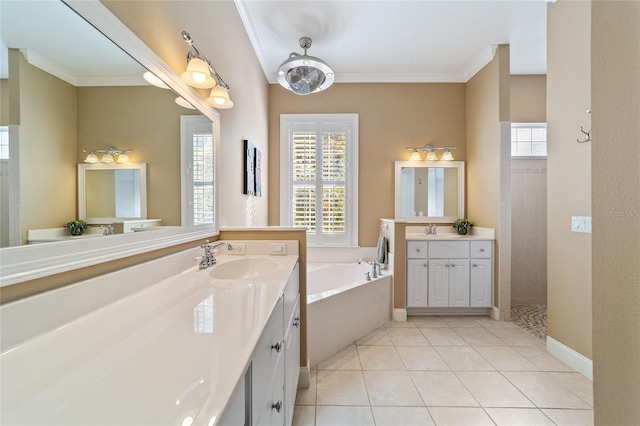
349 122
537 125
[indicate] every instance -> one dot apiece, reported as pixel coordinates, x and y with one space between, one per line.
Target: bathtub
342 306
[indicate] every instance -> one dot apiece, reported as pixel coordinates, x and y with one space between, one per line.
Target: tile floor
449 370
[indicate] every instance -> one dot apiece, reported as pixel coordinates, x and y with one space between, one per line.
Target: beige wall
47 148
615 90
127 117
391 117
216 25
569 175
487 103
528 98
4 102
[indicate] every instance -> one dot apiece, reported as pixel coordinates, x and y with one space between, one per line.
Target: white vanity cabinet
481 274
417 274
276 362
449 273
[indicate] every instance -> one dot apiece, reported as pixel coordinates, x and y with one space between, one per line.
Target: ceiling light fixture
430 150
303 74
108 155
202 75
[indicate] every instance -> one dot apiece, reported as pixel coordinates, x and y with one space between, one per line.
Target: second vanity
159 343
447 271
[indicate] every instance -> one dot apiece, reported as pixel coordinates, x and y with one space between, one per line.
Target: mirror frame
399 165
28 262
82 190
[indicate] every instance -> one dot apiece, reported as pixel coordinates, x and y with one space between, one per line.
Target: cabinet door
292 362
459 283
438 283
417 283
481 283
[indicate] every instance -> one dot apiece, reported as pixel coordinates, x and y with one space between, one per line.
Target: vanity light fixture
151 78
184 103
108 155
304 74
202 75
430 151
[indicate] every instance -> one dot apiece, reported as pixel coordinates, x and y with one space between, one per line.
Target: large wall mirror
429 191
80 86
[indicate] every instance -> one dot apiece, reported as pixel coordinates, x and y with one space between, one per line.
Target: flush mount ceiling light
303 74
202 75
430 150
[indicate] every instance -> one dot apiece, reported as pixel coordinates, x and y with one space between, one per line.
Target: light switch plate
277 249
581 224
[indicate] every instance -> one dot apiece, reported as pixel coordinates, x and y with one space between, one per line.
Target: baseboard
494 313
304 377
400 314
448 311
575 360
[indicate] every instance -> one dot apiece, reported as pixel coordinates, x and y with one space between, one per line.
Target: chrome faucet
208 259
375 269
107 229
431 230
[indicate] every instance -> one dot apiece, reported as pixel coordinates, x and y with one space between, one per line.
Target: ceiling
401 40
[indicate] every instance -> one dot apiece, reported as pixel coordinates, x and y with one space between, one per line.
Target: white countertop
445 237
445 233
169 351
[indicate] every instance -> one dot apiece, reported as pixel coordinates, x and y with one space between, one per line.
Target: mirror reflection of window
435 202
197 143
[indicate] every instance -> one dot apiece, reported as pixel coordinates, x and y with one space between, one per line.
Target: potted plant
462 226
77 227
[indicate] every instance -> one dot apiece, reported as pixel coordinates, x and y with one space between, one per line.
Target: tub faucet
208 259
375 267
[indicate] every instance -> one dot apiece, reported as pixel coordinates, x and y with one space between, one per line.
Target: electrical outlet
239 249
277 249
581 224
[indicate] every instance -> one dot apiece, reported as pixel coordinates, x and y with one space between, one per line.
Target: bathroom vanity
159 343
448 271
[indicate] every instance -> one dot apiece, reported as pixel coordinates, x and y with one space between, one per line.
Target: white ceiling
401 40
54 38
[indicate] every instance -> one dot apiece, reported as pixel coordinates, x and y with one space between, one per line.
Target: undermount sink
433 237
242 269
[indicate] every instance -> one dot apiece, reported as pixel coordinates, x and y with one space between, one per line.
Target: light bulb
218 100
198 77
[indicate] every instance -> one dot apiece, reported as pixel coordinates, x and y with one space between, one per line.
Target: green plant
462 226
77 227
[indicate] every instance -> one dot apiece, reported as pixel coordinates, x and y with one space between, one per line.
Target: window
4 142
319 176
198 200
528 139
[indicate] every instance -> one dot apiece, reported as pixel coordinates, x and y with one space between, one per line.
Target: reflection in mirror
429 191
76 90
112 192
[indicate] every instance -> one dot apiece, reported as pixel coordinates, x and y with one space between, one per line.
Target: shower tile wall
528 232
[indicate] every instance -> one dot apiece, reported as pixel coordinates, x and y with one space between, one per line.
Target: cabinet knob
453 265
481 250
296 322
418 250
474 265
447 265
277 406
426 265
277 346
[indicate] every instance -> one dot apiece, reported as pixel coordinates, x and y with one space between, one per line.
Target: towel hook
587 136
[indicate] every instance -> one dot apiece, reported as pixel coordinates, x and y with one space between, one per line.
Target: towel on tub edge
381 252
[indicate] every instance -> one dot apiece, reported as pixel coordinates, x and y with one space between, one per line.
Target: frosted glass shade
198 75
219 98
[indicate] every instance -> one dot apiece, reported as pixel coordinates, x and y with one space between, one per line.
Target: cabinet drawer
448 249
272 410
416 249
481 249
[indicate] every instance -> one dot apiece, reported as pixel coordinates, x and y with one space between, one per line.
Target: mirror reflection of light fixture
108 155
202 75
303 74
183 103
430 150
151 78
